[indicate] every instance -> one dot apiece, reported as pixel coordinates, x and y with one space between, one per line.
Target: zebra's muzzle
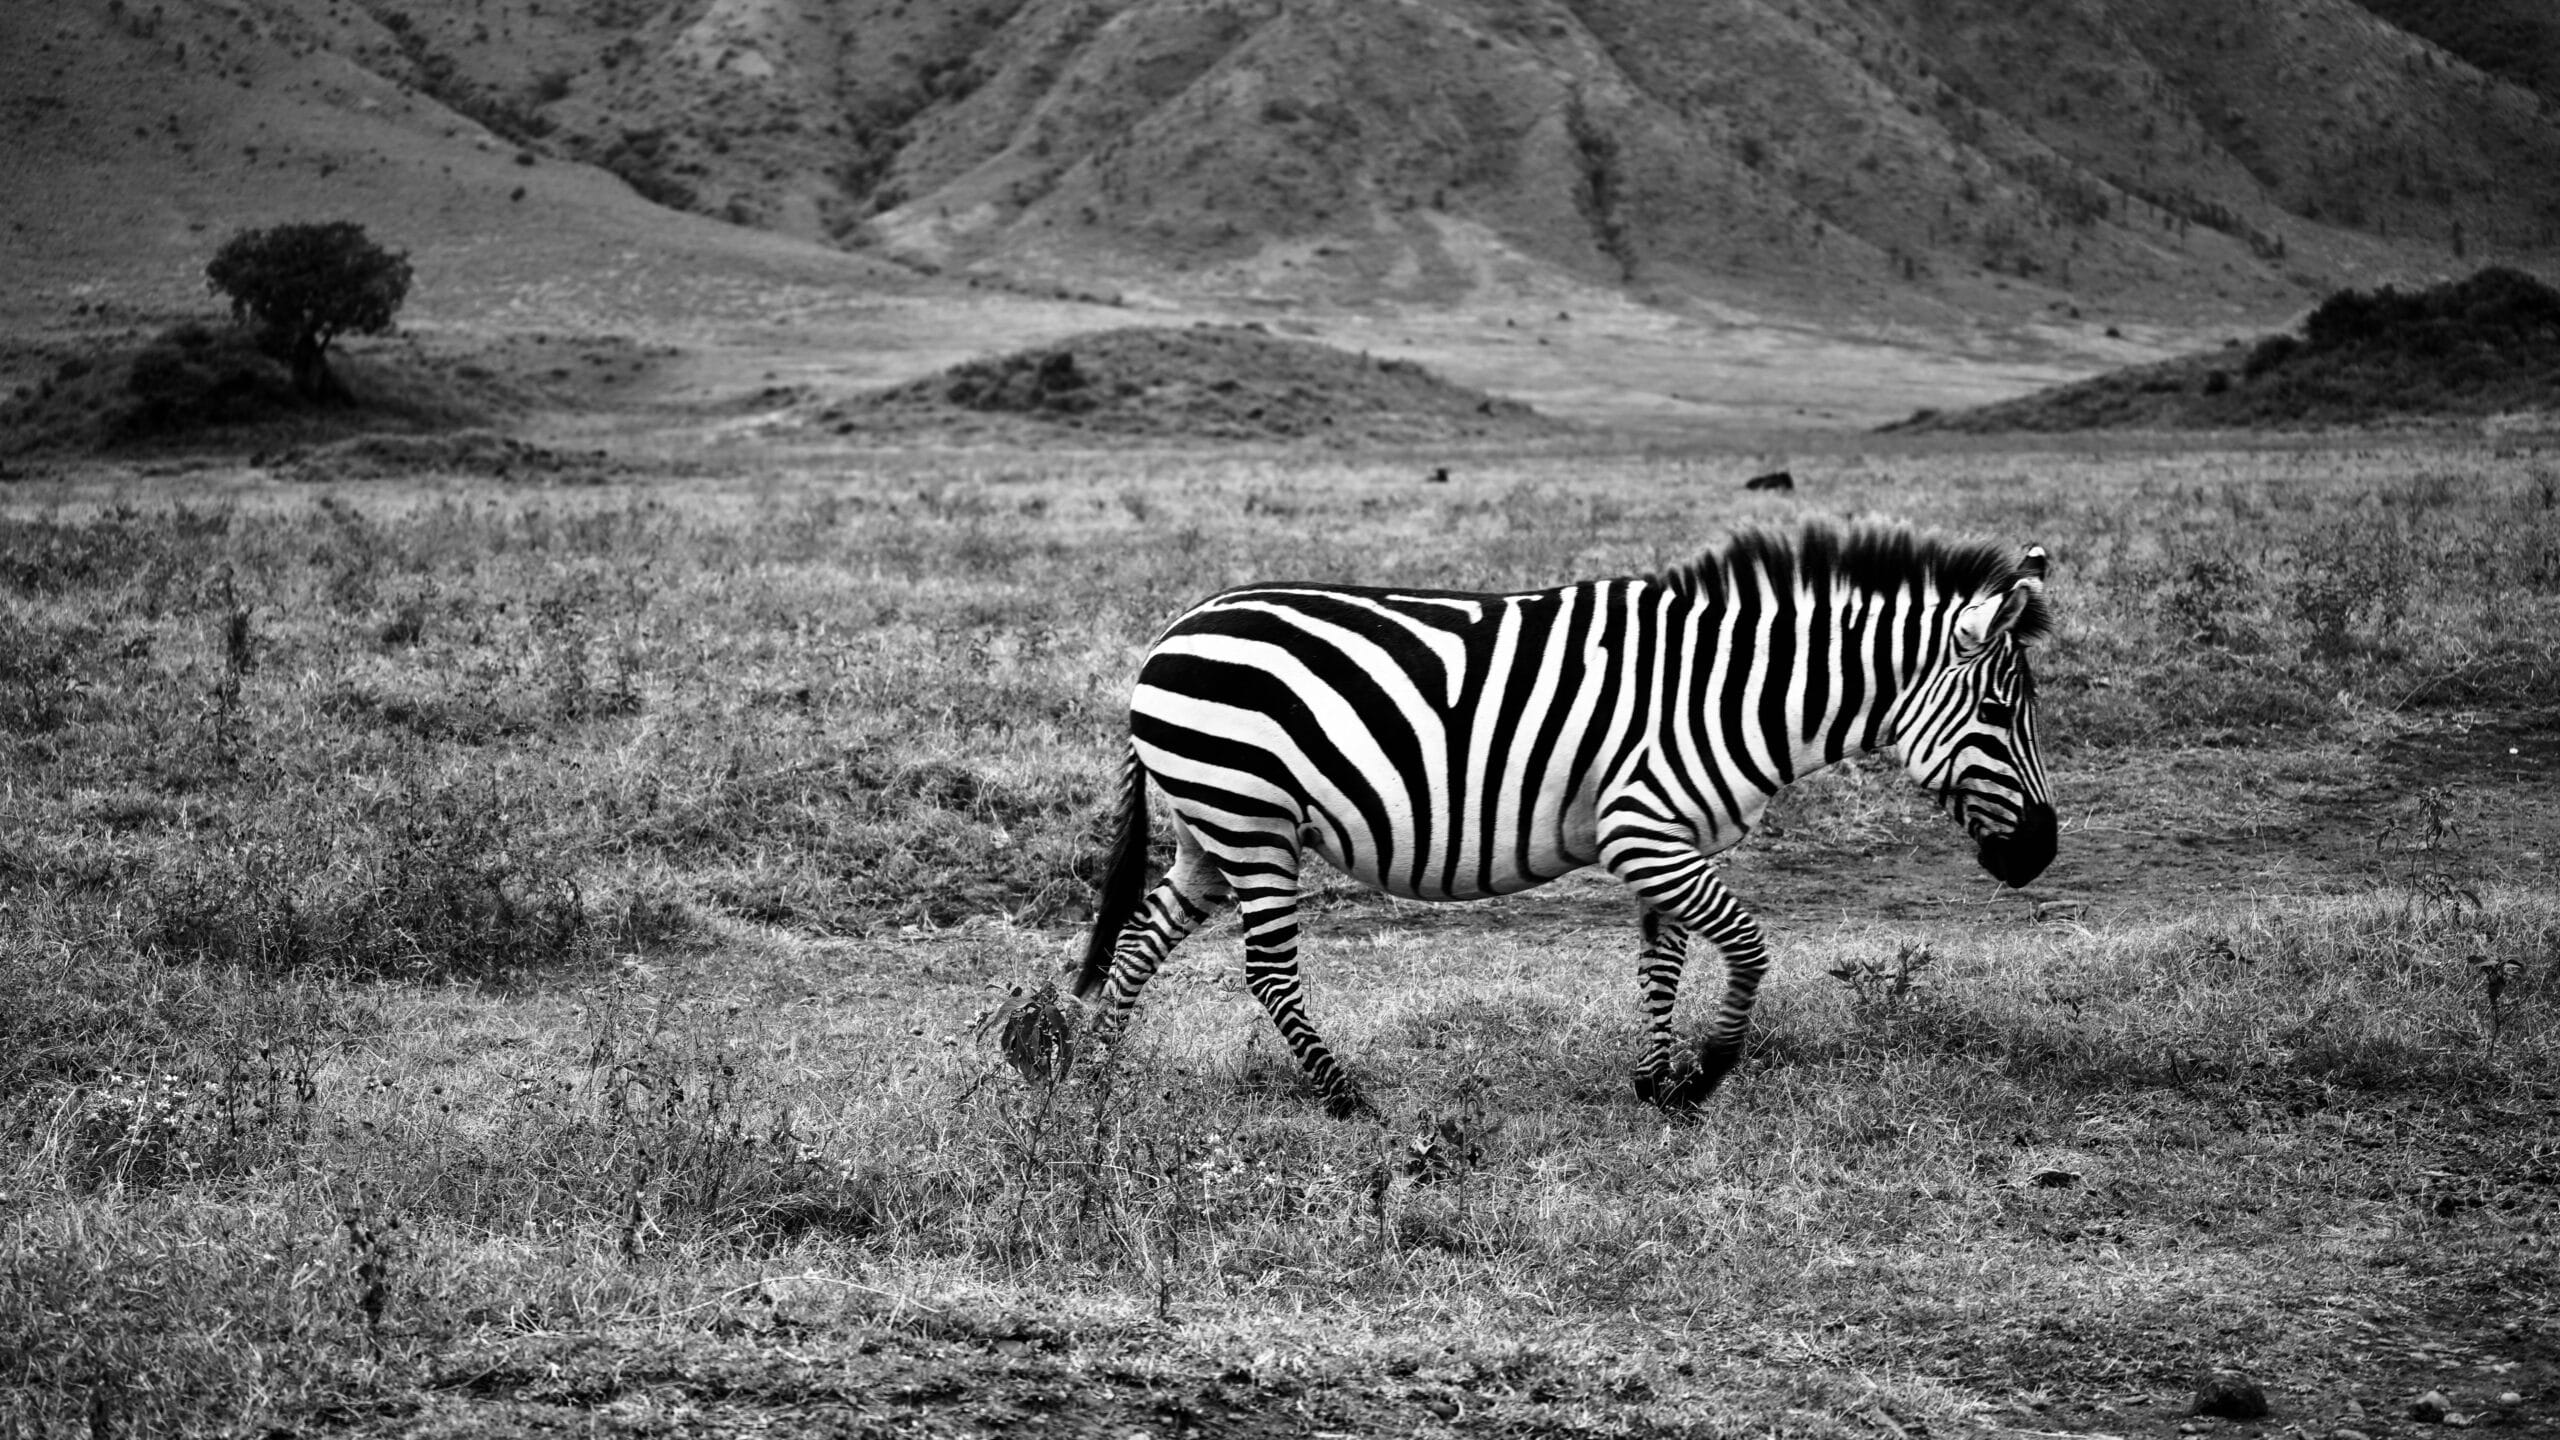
2021 855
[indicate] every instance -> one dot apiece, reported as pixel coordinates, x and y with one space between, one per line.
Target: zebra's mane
1870 558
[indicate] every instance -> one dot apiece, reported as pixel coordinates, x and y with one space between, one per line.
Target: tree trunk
312 378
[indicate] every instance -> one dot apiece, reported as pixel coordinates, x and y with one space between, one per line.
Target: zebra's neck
1832 666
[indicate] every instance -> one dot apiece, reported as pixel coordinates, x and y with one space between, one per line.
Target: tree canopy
307 284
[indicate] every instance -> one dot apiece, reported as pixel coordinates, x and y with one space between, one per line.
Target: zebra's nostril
2022 854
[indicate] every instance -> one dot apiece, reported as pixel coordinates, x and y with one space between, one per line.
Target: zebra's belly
1439 875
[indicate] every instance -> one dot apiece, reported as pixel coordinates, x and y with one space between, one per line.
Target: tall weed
2350 587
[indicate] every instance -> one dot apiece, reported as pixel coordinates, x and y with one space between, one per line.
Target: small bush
2270 353
671 1111
2203 592
450 888
195 376
2350 587
643 159
40 677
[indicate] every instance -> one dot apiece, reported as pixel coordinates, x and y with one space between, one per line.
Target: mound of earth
461 452
198 383
2487 345
1207 382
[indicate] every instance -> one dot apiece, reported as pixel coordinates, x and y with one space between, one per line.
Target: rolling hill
2484 348
1906 172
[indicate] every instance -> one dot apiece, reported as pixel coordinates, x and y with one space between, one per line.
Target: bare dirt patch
875 1379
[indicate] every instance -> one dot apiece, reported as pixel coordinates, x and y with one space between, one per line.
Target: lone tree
306 285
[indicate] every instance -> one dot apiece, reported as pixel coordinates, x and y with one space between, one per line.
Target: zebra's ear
1999 612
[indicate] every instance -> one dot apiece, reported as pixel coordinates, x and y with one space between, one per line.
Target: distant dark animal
1438 476
1774 480
1452 745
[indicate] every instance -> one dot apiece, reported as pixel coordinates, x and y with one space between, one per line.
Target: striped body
1453 746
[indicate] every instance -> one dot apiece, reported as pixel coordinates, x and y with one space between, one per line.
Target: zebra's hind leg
1191 891
1696 904
1666 953
1267 899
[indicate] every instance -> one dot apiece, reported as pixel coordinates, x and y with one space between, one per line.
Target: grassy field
482 959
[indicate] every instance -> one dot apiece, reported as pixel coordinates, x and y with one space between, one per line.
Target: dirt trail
2227 824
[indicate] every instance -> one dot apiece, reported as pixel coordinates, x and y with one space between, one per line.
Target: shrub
195 375
39 674
2350 317
2351 574
2270 353
2497 306
2204 587
446 888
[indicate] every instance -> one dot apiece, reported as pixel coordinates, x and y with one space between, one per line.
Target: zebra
1454 745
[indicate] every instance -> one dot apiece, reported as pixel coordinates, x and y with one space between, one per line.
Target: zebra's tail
1124 880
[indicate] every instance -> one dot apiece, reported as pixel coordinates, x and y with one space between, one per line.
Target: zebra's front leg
1269 908
1693 904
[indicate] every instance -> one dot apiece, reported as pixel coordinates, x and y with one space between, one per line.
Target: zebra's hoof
1714 1063
1668 1090
1693 1086
1349 1105
1688 1093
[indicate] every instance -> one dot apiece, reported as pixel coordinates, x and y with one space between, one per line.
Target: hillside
2169 157
2173 154
133 138
2487 345
2516 40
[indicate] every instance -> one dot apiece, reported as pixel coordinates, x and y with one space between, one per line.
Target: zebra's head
1969 732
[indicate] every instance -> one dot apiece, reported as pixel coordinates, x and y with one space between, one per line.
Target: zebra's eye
1993 712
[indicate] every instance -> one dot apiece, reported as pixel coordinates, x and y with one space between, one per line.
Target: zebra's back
1439 745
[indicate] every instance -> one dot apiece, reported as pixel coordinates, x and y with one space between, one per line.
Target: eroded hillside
2241 152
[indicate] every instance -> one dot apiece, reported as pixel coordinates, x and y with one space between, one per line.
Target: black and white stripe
1445 745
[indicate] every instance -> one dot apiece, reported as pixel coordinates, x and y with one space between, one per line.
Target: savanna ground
491 959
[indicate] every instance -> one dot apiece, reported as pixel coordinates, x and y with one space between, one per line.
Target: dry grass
495 932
